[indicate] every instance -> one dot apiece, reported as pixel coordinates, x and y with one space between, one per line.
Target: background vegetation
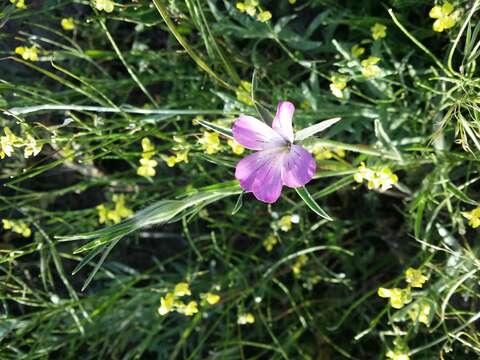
94 240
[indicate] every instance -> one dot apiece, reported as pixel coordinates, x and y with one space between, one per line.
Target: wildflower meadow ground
257 179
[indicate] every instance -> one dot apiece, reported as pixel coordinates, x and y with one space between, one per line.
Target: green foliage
396 188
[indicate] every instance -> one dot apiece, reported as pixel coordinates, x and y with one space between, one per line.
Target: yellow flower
338 83
297 266
381 180
357 50
386 179
31 147
379 31
17 226
147 168
397 355
102 213
8 142
420 313
236 147
243 93
188 310
292 1
182 289
210 298
210 142
473 217
105 5
269 242
323 153
285 223
181 156
166 304
27 53
170 160
398 297
67 24
264 16
444 15
148 150
369 67
415 277
120 208
248 6
244 319
20 4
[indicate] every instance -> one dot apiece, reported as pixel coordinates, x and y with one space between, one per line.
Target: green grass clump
126 236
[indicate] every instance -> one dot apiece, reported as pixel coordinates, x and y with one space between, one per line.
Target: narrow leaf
311 203
219 129
312 130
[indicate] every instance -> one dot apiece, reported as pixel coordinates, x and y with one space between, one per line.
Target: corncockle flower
278 161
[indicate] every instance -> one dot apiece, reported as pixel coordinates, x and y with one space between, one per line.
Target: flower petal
282 123
298 167
267 185
247 168
255 134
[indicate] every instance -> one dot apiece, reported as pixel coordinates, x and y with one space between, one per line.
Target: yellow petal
436 12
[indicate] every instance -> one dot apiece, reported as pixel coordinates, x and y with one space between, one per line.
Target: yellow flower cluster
473 217
445 17
397 355
251 7
68 24
27 53
324 153
420 312
270 242
379 31
292 1
299 263
10 141
180 152
20 4
17 226
338 83
119 211
370 67
236 147
171 301
243 92
105 5
147 165
210 142
245 319
382 179
400 297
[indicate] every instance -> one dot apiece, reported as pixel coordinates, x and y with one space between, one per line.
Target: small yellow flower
17 226
27 53
243 93
148 150
20 4
338 83
67 24
444 15
357 50
102 213
105 5
397 355
32 148
210 142
264 16
170 160
187 309
473 217
211 298
369 67
415 277
292 1
8 142
379 31
285 223
248 6
120 208
244 319
147 168
381 180
181 289
236 147
269 242
323 153
398 297
420 313
166 304
297 266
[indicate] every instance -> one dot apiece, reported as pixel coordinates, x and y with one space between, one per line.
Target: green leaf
219 129
311 203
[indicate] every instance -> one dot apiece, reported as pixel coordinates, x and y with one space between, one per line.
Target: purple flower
278 161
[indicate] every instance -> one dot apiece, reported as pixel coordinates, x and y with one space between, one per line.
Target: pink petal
255 134
261 173
282 123
298 167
